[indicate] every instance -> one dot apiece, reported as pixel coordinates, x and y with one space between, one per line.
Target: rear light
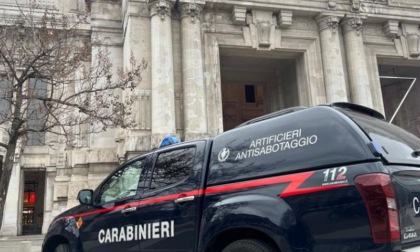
379 196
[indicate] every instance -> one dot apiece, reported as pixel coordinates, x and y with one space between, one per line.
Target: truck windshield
397 144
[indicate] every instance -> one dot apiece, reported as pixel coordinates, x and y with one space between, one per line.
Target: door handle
128 209
184 199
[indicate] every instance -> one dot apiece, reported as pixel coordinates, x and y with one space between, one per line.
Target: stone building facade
216 63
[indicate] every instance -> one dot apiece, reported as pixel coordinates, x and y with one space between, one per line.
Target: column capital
354 24
191 10
328 21
163 8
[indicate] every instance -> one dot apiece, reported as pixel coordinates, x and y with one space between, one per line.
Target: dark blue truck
334 177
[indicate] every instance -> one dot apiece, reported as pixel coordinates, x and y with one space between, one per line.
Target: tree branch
6 146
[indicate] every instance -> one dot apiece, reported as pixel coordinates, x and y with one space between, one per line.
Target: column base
8 230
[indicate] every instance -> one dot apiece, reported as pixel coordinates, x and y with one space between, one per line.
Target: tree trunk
5 177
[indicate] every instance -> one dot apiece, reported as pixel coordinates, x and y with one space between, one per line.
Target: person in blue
169 140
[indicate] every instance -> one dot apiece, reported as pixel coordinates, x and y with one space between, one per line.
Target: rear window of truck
397 145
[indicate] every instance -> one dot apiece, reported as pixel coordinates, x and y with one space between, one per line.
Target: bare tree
51 82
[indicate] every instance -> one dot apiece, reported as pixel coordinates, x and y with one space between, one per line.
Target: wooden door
241 102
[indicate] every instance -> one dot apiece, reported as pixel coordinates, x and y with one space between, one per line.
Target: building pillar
49 198
356 61
163 95
12 209
332 60
195 118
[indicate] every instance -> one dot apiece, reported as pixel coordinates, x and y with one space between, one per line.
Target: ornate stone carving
328 22
391 28
354 24
162 8
355 5
264 24
264 33
239 15
412 34
285 19
191 10
332 4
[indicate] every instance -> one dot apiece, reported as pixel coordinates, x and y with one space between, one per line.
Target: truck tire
249 245
63 247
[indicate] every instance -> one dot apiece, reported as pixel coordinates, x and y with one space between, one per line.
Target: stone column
163 97
12 211
356 61
332 60
49 198
195 118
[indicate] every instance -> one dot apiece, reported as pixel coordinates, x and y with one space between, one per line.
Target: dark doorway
393 92
33 202
255 83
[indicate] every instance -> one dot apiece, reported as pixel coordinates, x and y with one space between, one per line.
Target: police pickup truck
334 177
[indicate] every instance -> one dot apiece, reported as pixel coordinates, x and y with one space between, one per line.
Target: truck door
169 208
111 223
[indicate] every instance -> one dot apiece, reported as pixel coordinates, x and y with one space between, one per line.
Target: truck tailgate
406 182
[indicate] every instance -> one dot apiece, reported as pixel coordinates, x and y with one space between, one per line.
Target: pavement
16 243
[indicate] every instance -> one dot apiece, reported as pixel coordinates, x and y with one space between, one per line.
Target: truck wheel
63 247
249 245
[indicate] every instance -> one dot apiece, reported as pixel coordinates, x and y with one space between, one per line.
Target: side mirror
85 197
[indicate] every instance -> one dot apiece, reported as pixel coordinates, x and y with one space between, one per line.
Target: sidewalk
11 243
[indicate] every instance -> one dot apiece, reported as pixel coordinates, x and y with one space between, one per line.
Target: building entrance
255 83
394 90
33 202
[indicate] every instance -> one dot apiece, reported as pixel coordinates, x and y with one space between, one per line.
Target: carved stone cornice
328 22
353 24
191 10
162 8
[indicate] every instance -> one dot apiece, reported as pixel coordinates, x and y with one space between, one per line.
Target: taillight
379 196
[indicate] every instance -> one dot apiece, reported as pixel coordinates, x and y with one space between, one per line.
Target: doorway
393 92
33 202
255 83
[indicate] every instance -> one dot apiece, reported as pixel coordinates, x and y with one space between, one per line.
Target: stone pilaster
163 97
195 118
49 199
11 215
356 61
332 60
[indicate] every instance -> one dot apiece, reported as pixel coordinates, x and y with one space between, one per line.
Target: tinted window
123 184
172 167
397 144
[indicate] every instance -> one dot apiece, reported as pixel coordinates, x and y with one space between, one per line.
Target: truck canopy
301 140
